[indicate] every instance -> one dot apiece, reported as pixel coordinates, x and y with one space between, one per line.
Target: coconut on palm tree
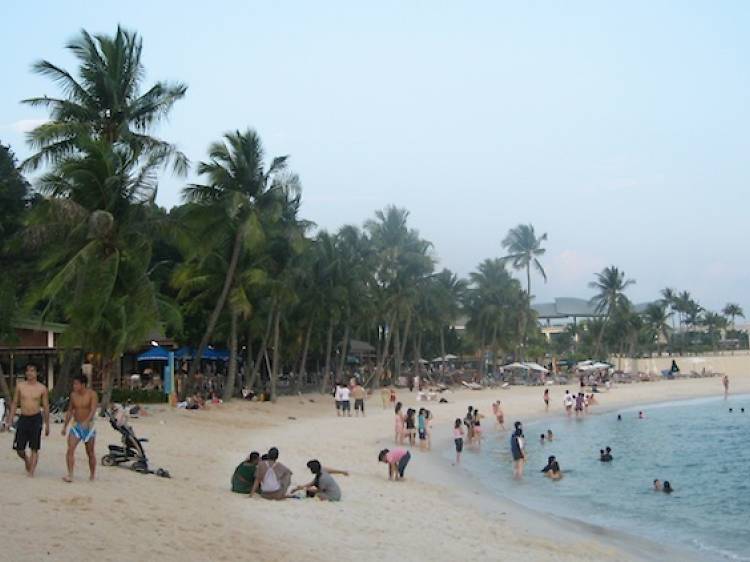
106 102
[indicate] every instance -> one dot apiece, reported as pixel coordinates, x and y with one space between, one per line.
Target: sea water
698 445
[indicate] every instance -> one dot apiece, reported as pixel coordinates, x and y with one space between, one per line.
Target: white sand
434 515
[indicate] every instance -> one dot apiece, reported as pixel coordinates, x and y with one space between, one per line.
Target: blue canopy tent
209 354
157 353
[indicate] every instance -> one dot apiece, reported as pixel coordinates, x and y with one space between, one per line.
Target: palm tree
657 318
524 250
105 102
732 311
610 284
227 210
714 323
448 292
669 299
98 279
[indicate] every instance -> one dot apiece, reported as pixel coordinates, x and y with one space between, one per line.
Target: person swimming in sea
619 417
605 455
657 485
541 438
550 437
552 470
667 487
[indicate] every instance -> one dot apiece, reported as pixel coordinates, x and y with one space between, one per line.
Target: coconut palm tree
524 249
227 209
106 102
732 311
669 298
610 284
98 202
448 292
656 319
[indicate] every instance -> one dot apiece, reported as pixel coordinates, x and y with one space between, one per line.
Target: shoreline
439 513
639 548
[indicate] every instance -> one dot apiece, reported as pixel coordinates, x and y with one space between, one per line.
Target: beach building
35 341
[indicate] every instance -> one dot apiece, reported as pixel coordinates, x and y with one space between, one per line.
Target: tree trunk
276 356
303 361
327 368
106 383
442 350
397 352
261 352
407 329
384 356
232 369
4 388
220 302
344 345
62 380
248 358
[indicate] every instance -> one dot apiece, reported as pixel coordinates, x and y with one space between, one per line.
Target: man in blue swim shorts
81 410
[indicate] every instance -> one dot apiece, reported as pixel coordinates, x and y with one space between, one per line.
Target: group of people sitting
265 475
198 402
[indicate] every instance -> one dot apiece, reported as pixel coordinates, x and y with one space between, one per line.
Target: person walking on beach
517 451
546 399
396 459
346 405
725 382
337 399
458 439
81 409
32 397
422 428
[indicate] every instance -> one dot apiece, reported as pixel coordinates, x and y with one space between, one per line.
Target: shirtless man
82 410
725 382
34 400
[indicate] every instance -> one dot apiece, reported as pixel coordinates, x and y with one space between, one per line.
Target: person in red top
396 459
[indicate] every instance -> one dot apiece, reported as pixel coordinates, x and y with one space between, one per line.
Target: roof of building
570 307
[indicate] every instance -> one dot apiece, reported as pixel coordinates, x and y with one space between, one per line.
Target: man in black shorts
33 399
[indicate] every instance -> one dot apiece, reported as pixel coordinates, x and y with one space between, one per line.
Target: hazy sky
621 130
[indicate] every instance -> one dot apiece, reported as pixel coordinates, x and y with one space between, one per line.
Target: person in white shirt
345 397
337 398
568 401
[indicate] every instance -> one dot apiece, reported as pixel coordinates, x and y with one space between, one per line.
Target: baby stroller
130 451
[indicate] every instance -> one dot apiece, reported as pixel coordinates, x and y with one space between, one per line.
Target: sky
621 129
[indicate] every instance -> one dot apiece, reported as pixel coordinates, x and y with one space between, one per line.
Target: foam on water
701 448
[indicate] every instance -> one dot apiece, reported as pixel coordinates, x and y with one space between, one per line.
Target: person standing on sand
346 404
399 424
33 399
337 399
725 382
359 394
82 409
458 438
517 450
546 399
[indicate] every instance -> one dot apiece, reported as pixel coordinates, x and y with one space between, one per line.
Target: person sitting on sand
272 478
667 487
244 474
657 485
396 459
323 486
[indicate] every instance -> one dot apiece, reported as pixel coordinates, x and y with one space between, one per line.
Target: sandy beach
437 513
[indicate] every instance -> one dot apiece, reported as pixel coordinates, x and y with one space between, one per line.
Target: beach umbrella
536 367
516 365
157 353
184 352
